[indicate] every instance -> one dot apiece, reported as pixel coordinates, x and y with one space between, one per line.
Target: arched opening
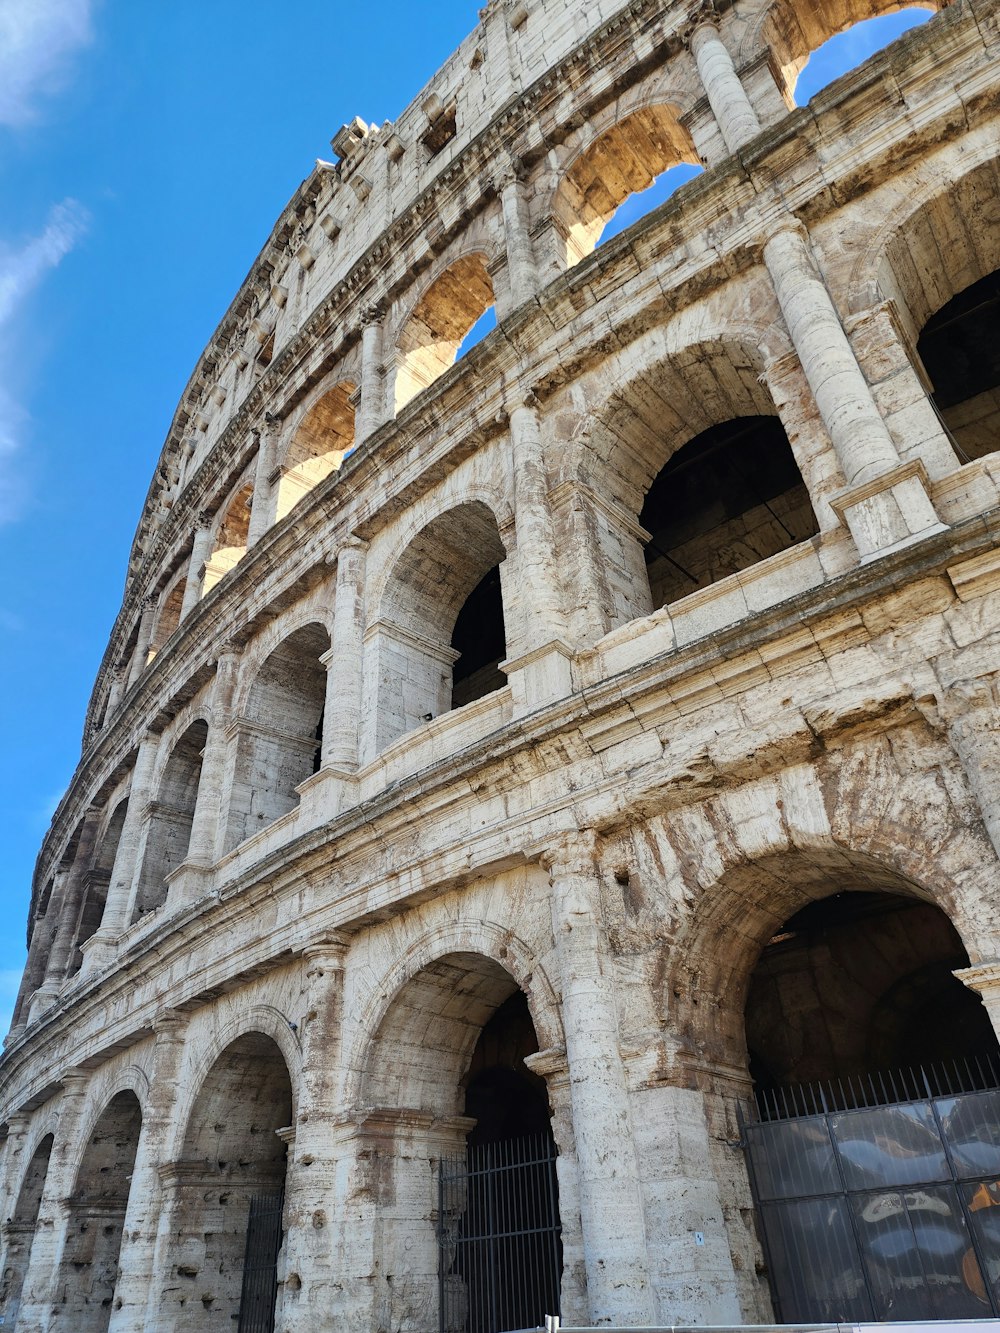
168 617
441 625
89 1267
97 881
794 32
961 354
642 150
940 273
233 1153
431 337
727 499
231 538
19 1232
281 734
852 47
874 1145
169 831
324 438
451 1092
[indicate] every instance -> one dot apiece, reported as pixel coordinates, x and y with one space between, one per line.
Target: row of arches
935 276
840 970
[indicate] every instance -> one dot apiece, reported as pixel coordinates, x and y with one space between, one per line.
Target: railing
260 1264
499 1249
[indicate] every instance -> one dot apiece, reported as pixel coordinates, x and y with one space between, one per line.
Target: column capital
170 1025
984 978
373 312
204 518
326 953
506 171
575 852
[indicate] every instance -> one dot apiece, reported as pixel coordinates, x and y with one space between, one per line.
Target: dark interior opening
727 499
860 983
506 1098
481 642
960 350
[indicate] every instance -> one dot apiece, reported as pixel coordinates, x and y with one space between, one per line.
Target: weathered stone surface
461 722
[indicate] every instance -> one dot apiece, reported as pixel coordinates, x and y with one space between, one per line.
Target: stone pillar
183 1188
140 657
137 1276
726 95
522 270
74 889
101 946
205 841
886 504
611 1206
201 550
41 1281
344 660
311 1277
17 1236
542 663
372 389
115 692
971 712
265 490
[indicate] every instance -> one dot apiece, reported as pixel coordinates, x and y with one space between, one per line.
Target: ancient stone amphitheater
535 846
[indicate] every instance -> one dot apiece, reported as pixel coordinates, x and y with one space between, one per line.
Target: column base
540 676
889 512
43 999
327 794
188 884
99 952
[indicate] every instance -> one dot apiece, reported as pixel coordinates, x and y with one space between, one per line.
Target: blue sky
146 148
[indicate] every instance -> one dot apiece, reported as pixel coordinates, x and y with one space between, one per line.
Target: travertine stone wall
290 883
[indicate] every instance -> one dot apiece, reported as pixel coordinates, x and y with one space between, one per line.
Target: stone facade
440 685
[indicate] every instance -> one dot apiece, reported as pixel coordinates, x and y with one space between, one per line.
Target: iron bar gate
879 1197
260 1264
499 1248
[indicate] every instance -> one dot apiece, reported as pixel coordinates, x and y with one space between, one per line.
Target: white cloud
21 269
37 37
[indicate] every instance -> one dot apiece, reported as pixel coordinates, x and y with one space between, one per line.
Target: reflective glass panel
814 1261
983 1204
919 1255
793 1157
971 1125
890 1145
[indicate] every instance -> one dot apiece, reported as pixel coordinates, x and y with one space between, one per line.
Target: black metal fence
500 1255
260 1264
879 1198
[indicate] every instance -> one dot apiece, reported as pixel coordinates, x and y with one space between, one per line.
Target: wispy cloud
37 39
21 269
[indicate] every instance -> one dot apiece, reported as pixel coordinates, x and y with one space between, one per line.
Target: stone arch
231 1152
431 333
445 584
97 1206
20 1227
280 733
321 440
789 31
168 615
229 543
937 263
168 832
98 878
263 1019
482 938
692 453
617 162
457 1022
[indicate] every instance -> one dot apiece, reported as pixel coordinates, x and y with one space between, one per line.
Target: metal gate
260 1264
879 1198
499 1251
